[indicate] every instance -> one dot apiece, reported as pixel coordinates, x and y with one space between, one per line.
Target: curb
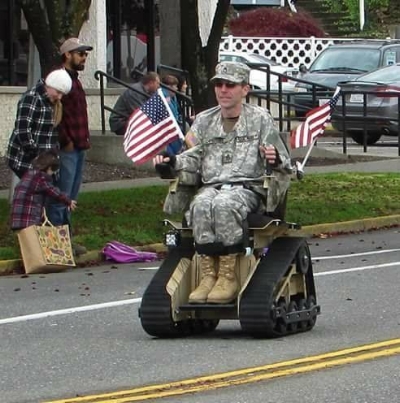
365 224
7 267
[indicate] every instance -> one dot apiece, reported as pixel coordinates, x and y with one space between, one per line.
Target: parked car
342 62
258 76
381 115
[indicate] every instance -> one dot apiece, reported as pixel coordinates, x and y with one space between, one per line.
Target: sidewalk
386 165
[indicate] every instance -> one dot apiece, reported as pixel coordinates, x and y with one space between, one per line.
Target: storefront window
127 35
14 45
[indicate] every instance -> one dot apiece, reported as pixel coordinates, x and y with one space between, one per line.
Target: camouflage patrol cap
234 72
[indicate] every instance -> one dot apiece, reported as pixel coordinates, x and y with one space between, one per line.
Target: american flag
150 128
316 121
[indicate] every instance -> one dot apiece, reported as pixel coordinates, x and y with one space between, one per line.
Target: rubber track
155 309
257 300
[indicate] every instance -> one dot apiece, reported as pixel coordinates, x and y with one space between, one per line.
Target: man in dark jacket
74 136
131 99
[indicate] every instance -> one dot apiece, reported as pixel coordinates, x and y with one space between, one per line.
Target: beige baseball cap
74 45
233 72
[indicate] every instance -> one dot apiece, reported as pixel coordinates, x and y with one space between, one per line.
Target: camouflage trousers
218 215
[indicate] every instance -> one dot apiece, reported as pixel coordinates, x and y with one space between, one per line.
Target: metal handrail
100 75
174 69
340 114
283 99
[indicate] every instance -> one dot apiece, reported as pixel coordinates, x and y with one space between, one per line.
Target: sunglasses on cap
81 53
227 84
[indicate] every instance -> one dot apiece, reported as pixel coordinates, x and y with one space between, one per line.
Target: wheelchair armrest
165 171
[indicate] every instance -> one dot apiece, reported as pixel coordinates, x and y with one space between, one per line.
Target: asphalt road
57 341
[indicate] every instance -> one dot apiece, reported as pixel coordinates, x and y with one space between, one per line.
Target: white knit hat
60 80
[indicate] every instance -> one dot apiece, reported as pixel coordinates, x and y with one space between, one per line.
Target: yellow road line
248 375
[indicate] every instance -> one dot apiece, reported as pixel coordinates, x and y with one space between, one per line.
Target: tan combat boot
227 285
208 280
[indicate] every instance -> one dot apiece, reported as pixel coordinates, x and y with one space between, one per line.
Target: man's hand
159 159
269 153
164 165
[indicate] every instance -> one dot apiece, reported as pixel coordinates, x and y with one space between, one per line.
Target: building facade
124 35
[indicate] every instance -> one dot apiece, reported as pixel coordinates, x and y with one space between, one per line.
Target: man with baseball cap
233 144
232 72
74 45
74 136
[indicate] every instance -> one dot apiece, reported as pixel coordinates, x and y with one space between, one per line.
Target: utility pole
362 15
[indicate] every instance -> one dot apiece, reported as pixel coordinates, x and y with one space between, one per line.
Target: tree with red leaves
268 21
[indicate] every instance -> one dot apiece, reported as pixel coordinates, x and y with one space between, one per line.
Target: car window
256 58
225 58
232 58
391 56
240 59
389 74
363 59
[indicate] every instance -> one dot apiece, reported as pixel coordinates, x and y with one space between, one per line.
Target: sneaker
78 249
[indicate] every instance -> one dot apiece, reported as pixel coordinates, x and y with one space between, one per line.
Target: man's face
76 60
229 94
153 86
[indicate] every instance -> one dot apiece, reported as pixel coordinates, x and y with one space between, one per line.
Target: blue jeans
68 180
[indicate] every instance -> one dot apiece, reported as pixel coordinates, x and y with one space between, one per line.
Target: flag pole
300 165
308 153
314 126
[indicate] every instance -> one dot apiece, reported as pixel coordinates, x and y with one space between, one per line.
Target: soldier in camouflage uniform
231 144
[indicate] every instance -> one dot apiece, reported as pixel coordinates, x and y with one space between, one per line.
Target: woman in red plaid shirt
32 190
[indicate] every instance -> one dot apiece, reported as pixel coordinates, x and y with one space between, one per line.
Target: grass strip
134 216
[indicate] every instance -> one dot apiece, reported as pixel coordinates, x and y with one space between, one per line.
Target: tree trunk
198 60
49 22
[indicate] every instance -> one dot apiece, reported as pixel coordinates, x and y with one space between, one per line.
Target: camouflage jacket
221 157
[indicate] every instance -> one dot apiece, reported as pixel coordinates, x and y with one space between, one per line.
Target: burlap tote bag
46 248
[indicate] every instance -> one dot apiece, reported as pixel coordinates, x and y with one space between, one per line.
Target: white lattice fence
289 52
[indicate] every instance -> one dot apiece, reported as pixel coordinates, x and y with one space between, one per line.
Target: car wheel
358 137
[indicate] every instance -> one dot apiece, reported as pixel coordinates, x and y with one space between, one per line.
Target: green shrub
268 21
